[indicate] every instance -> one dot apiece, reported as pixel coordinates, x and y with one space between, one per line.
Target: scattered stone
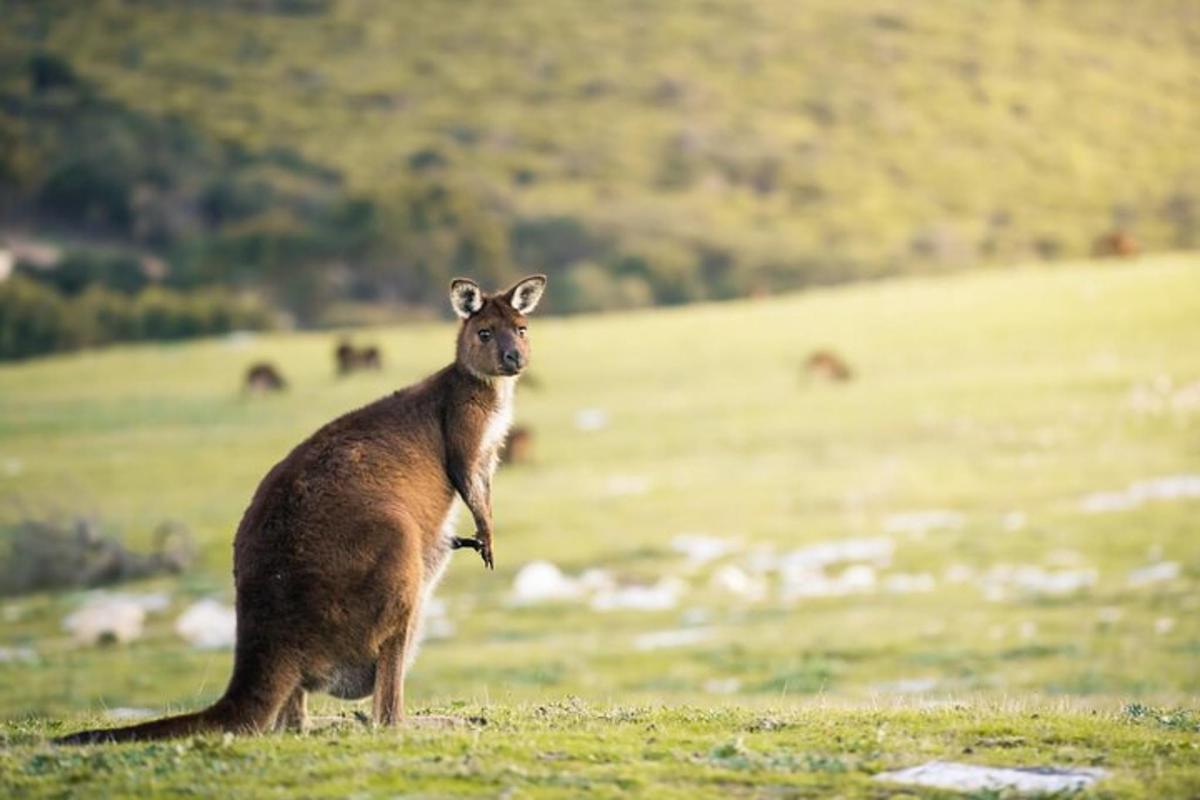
106 619
1164 625
736 581
699 549
591 419
208 625
543 582
1162 572
853 580
660 596
976 778
1171 487
1159 397
18 655
682 637
877 551
1004 580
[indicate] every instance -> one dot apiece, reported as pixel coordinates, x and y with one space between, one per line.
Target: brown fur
347 536
351 359
264 377
828 365
1116 244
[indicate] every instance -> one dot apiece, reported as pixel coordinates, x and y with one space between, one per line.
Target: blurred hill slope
668 152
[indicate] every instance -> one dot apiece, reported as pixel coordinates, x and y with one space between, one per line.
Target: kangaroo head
492 339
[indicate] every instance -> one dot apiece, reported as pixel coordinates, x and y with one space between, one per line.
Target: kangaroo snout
513 360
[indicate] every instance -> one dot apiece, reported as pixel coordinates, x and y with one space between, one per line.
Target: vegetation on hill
325 151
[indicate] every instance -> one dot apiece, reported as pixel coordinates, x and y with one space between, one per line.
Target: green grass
983 394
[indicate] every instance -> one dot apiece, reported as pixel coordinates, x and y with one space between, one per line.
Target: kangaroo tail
260 685
210 719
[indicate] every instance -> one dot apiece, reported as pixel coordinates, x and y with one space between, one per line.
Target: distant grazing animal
265 378
347 537
517 447
1116 244
351 358
828 365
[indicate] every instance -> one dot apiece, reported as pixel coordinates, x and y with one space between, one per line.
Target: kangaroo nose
513 359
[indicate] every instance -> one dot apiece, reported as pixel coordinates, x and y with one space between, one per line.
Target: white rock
591 419
660 596
736 581
543 582
856 579
701 549
975 778
1107 502
18 655
681 637
1164 625
151 602
1161 572
1171 487
1005 579
105 618
208 625
816 557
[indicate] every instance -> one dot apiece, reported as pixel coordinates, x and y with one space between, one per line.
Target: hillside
640 152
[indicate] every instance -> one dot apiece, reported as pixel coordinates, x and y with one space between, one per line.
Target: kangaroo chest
498 422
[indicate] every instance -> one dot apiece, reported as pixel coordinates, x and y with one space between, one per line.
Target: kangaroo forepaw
459 542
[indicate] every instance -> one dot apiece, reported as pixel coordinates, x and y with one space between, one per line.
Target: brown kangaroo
350 533
352 359
265 378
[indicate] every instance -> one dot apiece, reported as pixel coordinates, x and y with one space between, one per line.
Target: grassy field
995 612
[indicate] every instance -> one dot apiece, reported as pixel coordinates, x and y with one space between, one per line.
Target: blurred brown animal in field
50 554
517 447
1116 244
828 365
348 536
351 359
264 378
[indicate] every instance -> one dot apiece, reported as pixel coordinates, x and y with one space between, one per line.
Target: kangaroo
347 537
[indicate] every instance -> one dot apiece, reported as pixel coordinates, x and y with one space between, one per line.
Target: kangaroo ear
524 296
465 297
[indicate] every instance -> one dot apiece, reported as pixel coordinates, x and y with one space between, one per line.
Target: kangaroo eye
521 331
485 335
